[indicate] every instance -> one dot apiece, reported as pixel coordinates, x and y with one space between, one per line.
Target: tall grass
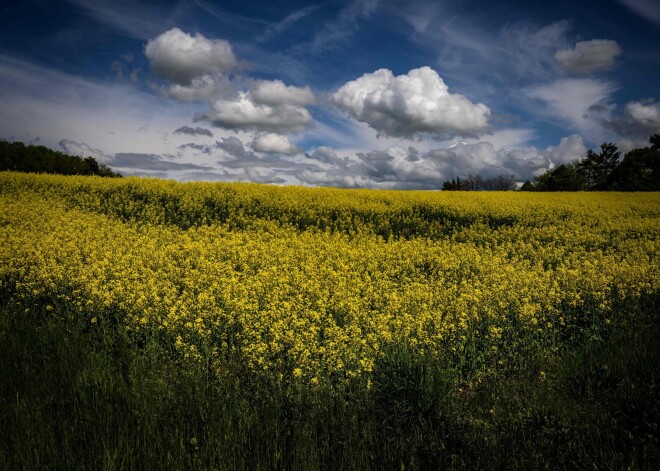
71 401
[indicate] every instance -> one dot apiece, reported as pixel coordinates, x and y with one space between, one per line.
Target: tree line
479 183
639 170
17 157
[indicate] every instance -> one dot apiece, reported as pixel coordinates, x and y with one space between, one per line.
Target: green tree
566 177
528 186
597 168
17 157
639 170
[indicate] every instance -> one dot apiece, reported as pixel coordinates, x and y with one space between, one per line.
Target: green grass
73 399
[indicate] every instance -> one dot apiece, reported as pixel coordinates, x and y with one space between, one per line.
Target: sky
362 93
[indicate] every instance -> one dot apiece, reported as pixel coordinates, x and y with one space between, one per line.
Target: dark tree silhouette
479 183
639 170
17 157
597 168
566 177
527 186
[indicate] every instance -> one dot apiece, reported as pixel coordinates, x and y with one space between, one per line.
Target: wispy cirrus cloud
287 22
339 30
647 9
134 19
582 104
56 105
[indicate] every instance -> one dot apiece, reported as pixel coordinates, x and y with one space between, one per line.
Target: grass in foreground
68 400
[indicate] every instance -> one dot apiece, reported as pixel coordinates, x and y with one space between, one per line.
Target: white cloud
200 88
275 92
588 56
81 149
626 145
243 113
569 149
647 115
195 66
274 144
328 178
396 167
581 103
110 116
508 137
327 155
411 105
179 57
260 175
636 123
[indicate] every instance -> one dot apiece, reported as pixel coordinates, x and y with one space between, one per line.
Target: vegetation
17 157
638 171
479 183
566 177
148 324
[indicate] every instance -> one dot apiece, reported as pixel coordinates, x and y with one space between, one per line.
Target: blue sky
365 93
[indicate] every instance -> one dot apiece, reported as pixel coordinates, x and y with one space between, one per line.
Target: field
150 324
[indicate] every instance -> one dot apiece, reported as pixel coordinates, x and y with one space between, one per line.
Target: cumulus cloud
570 148
197 69
411 105
397 167
646 115
327 155
193 66
275 93
639 120
588 56
200 88
197 131
179 57
81 149
234 147
258 175
626 145
274 144
245 113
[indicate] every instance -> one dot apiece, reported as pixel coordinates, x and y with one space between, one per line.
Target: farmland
225 326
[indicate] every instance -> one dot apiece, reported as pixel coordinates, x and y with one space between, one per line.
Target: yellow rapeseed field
311 286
